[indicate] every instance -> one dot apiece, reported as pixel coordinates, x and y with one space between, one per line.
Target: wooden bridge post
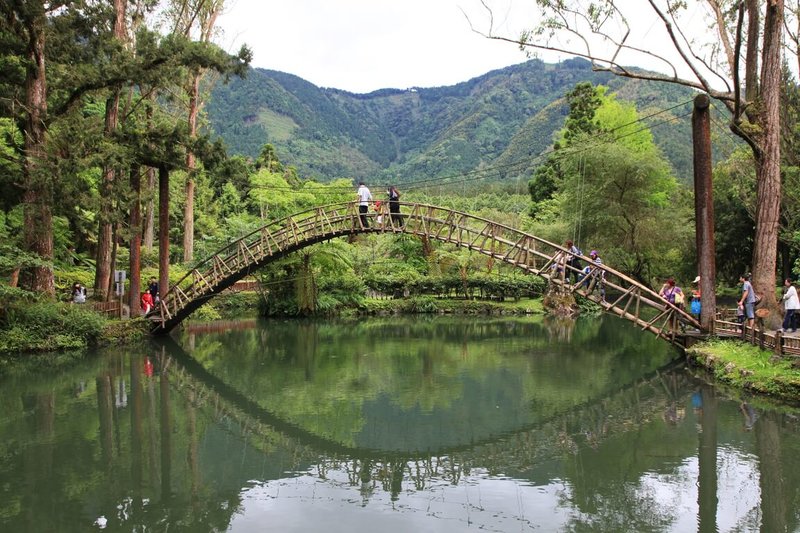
704 211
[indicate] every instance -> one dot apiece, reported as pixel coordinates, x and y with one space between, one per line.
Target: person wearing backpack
672 293
394 205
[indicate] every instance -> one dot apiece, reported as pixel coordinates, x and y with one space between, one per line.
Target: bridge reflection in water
218 440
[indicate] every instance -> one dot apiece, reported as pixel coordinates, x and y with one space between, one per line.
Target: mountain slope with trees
504 119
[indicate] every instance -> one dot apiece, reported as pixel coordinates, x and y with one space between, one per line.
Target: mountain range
495 126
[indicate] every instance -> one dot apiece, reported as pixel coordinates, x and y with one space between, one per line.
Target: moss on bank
749 368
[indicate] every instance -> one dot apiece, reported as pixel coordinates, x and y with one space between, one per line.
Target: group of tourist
745 305
749 300
364 197
569 264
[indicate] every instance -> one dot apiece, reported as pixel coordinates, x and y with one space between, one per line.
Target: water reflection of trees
147 446
589 430
323 378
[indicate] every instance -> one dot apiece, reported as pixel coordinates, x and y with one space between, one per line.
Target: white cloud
364 45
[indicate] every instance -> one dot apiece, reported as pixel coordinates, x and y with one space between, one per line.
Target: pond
393 424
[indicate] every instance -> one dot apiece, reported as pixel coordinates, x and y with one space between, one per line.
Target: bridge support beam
704 211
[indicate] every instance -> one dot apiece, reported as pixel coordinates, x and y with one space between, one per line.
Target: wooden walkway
727 326
615 292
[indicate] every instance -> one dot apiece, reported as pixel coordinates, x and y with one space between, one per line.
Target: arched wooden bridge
614 291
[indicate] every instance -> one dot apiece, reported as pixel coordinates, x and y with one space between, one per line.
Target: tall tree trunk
204 14
191 163
104 234
135 241
163 230
103 269
110 293
37 199
768 170
149 211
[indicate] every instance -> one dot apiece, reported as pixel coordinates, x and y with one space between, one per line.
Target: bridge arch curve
624 296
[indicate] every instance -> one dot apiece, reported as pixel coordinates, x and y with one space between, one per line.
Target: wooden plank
626 293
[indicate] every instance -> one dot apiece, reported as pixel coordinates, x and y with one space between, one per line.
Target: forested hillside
501 121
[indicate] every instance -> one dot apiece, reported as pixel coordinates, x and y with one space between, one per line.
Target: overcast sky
364 45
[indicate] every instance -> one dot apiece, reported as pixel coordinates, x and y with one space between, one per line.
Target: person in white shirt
790 304
364 198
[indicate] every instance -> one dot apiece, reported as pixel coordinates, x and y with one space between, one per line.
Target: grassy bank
54 334
749 368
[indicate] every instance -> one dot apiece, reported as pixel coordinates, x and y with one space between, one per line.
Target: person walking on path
394 206
791 304
748 299
364 197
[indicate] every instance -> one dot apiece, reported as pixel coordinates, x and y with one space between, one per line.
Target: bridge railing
614 291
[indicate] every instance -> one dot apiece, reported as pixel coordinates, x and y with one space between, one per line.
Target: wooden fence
727 325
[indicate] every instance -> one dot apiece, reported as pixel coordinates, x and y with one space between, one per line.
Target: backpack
678 297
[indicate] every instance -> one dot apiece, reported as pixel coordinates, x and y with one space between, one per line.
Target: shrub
49 326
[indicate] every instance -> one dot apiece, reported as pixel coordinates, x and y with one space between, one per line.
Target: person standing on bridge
364 197
672 293
598 275
152 288
573 262
394 205
748 299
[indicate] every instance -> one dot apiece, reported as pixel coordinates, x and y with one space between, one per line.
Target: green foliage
616 193
47 327
206 313
734 216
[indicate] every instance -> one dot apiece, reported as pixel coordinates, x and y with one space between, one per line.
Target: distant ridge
503 119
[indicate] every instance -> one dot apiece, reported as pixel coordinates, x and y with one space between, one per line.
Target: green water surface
391 425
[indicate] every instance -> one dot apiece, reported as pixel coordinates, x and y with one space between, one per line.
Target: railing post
778 348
